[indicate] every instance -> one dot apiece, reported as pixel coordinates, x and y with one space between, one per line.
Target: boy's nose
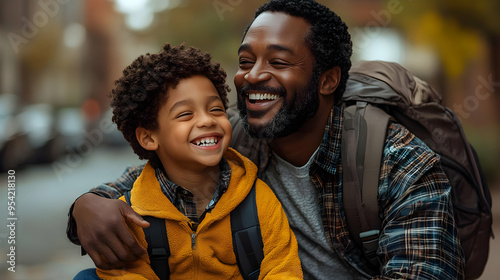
206 120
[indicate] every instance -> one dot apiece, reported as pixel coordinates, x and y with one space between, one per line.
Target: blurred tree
454 28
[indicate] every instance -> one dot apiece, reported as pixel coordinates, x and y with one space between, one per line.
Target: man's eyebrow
244 47
280 48
247 47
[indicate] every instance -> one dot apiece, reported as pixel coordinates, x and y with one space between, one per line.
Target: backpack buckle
370 244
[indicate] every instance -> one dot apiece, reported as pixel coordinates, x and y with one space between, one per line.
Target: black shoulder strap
158 248
247 238
363 139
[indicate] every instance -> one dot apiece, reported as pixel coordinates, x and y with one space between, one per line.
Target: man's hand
103 232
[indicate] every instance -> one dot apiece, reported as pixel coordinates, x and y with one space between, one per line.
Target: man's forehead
279 22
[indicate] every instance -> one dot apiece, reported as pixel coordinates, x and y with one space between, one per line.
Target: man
293 67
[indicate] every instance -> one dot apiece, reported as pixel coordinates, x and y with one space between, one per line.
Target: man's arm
97 222
419 238
139 269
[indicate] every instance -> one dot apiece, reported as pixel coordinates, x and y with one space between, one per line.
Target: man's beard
288 120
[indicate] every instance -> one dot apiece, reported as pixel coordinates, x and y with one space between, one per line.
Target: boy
171 107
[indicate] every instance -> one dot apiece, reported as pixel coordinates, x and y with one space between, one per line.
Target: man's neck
298 147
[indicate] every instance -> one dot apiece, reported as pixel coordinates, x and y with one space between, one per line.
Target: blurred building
57 60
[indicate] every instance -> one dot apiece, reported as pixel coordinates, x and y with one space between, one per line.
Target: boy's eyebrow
180 103
214 97
277 47
187 101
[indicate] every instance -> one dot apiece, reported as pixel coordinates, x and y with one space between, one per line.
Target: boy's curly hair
329 39
142 90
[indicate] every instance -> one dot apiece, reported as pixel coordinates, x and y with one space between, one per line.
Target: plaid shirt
183 199
419 239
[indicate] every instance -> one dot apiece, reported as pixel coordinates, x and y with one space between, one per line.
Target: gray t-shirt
299 198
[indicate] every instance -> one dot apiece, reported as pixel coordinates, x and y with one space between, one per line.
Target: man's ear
329 80
146 139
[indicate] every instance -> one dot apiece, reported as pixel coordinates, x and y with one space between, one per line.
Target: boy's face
193 129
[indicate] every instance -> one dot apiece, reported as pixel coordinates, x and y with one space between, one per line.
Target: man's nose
257 74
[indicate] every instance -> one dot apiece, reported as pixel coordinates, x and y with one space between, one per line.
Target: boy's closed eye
218 110
186 115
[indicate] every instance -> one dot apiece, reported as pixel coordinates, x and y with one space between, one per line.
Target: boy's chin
210 161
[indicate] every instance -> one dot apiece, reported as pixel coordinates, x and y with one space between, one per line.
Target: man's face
277 91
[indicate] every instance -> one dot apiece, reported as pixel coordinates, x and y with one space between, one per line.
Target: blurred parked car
38 123
14 145
112 137
40 133
37 133
71 128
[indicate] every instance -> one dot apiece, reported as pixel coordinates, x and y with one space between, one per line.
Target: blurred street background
59 59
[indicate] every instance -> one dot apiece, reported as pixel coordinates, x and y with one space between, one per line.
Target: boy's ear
146 139
329 80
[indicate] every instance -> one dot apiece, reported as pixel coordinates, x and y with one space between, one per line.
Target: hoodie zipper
193 242
193 248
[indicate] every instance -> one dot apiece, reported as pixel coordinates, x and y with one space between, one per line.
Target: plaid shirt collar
183 199
328 155
329 152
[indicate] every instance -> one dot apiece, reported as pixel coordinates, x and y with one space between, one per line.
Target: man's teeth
262 96
209 141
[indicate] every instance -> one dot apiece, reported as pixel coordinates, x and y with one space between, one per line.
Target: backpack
245 229
381 92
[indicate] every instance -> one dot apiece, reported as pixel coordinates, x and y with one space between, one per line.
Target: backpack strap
247 238
363 139
158 248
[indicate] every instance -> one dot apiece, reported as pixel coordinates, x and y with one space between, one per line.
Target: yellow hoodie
212 256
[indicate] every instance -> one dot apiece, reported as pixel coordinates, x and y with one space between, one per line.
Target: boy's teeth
262 96
209 141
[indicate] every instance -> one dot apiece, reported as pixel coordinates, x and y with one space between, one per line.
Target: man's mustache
262 88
